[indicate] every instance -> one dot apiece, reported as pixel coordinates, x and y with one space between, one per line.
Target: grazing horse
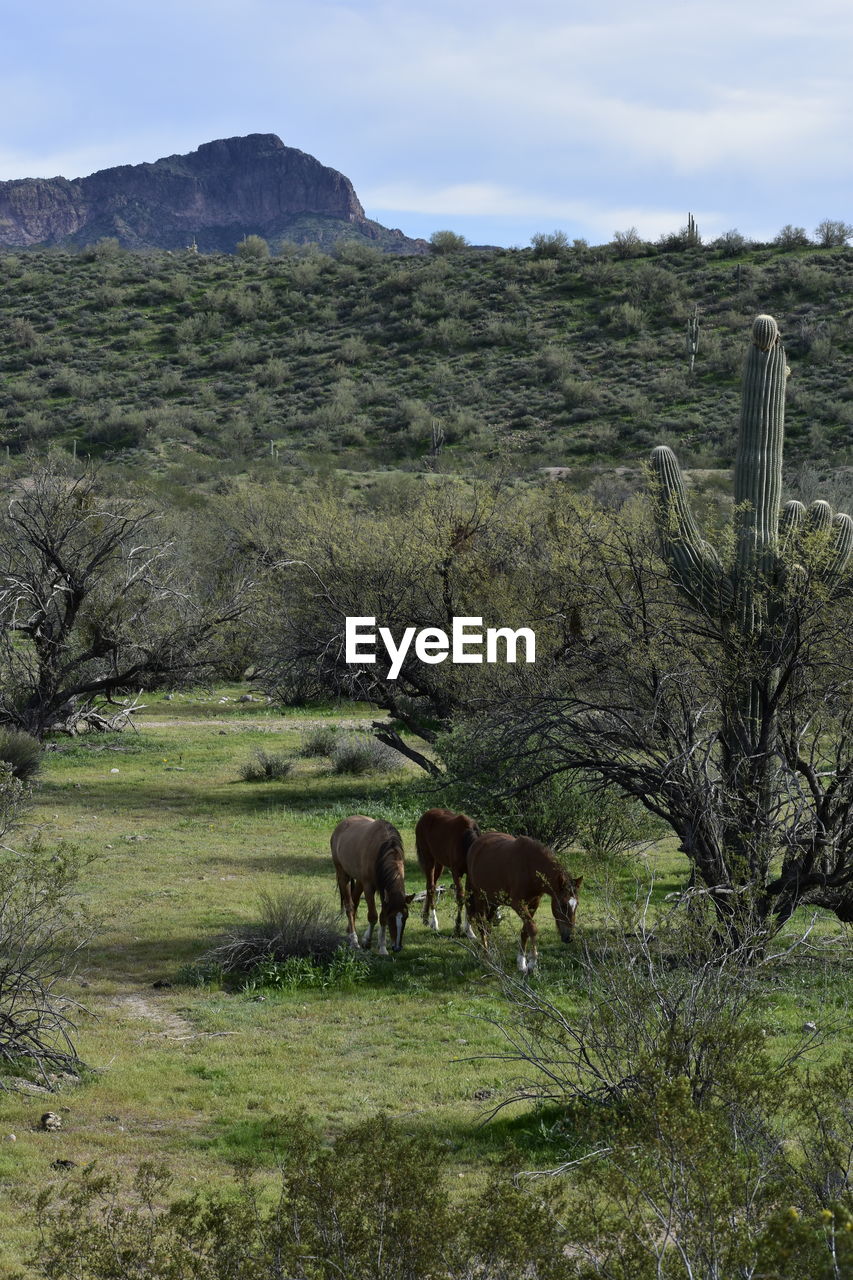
442 839
519 871
368 856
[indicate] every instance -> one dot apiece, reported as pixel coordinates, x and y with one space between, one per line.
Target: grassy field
199 1076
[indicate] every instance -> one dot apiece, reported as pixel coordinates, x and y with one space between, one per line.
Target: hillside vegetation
197 365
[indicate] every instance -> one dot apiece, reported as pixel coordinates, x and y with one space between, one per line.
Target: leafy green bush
521 795
443 242
380 1202
253 249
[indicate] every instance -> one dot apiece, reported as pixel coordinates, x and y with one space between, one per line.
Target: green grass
198 1075
182 850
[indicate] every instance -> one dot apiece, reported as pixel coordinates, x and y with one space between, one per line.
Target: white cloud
491 200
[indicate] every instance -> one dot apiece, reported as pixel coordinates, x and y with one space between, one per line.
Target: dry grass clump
290 925
265 766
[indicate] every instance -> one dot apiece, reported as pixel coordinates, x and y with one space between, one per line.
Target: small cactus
693 336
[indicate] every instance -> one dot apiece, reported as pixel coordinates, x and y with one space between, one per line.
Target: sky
493 119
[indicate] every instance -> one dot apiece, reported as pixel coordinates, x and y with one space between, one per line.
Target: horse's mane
389 860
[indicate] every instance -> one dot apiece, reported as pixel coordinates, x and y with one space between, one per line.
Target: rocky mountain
212 197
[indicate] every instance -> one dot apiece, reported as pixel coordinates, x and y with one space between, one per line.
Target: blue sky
494 119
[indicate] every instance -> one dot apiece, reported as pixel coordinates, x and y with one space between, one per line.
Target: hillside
213 197
198 365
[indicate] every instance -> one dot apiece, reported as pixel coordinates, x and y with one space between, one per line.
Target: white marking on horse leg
522 961
432 923
469 932
352 939
532 959
399 919
367 935
383 950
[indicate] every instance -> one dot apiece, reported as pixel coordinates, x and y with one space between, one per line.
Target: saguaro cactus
752 603
739 595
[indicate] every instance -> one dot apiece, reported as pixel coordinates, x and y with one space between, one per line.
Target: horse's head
564 906
396 915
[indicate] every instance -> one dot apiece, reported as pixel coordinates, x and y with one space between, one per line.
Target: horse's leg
372 916
383 918
460 907
476 909
529 933
349 906
430 913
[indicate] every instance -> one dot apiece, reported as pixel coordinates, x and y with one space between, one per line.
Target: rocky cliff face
214 196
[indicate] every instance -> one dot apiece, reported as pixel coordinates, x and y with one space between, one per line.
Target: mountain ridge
211 197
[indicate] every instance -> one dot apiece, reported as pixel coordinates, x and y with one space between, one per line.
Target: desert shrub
265 766
627 318
354 350
791 237
730 243
253 249
659 999
686 1193
611 826
342 1210
444 242
21 752
522 795
319 741
290 925
107 249
358 753
833 233
549 244
627 244
42 927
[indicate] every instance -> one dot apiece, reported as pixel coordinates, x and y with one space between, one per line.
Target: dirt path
162 1022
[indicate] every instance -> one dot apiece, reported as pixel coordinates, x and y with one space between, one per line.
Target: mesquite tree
97 599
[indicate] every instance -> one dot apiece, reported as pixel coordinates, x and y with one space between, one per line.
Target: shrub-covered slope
209 363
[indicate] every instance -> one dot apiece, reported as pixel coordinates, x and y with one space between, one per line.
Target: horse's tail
469 835
387 865
350 885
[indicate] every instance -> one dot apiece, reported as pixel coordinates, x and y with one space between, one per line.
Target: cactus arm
793 514
842 548
819 517
693 560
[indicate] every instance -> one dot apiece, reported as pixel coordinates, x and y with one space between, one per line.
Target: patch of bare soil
161 1021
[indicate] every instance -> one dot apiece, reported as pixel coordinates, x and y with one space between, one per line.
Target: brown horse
519 871
442 839
368 856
